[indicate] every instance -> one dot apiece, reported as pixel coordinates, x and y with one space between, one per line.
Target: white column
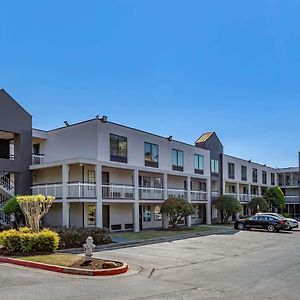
238 197
98 171
65 204
165 220
249 191
209 204
259 191
165 182
136 218
188 183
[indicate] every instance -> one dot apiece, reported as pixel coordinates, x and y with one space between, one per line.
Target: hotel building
106 174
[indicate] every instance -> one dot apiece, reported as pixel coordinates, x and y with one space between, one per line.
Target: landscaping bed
69 263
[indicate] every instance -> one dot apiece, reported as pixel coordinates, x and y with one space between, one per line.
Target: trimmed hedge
25 241
75 237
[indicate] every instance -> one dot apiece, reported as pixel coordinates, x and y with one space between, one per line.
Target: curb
65 270
128 244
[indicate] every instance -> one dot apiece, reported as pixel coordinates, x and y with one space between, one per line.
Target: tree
176 209
275 198
34 208
12 207
228 205
259 204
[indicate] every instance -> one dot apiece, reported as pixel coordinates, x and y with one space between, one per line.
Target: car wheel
241 226
271 228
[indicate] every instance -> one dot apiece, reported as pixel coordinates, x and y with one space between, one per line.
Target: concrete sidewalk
119 243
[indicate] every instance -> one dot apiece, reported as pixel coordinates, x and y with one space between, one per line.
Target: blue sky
175 68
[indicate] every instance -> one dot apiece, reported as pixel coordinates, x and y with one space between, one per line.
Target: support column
188 183
165 219
136 208
165 182
238 197
65 204
98 171
209 204
259 191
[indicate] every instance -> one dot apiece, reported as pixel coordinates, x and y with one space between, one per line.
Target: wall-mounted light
66 123
104 119
170 138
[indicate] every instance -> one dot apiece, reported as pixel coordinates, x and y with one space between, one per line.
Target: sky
170 67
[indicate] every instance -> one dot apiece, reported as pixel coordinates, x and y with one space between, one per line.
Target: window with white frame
214 166
198 163
231 170
118 148
243 173
177 160
151 155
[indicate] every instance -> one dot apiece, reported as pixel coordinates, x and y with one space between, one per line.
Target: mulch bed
95 264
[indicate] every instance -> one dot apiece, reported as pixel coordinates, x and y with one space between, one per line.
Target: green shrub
176 209
12 207
259 204
228 205
75 237
25 241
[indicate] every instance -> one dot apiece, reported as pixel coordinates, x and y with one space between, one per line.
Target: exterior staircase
7 190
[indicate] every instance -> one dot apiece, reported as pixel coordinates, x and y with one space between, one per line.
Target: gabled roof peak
205 136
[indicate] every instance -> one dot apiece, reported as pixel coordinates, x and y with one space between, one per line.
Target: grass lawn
156 233
64 260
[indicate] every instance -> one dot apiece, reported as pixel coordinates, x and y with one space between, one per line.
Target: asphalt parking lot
243 265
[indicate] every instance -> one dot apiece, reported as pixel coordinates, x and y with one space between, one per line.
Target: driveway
244 265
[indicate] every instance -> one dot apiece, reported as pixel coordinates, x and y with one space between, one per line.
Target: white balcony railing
81 190
37 159
292 199
231 194
215 194
254 196
151 193
198 196
177 193
117 191
54 189
244 197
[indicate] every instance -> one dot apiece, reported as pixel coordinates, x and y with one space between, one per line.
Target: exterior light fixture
170 138
104 119
66 123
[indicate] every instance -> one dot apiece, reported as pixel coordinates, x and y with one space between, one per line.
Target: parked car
261 221
293 223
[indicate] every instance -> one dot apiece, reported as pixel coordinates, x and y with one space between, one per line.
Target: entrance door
105 216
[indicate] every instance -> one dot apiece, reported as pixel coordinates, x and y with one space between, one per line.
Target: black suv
270 223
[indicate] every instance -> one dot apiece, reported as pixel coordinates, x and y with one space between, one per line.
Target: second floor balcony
84 190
